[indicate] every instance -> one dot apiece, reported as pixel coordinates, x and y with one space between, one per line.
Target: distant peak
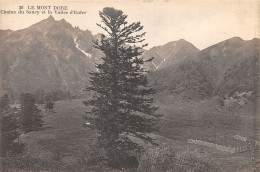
51 18
63 20
44 23
6 30
236 39
179 41
255 40
64 23
87 31
182 40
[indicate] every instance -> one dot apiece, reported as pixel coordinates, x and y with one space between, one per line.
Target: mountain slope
170 53
240 82
48 55
52 55
228 68
220 57
187 78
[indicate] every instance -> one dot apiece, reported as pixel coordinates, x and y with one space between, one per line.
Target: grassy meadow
65 139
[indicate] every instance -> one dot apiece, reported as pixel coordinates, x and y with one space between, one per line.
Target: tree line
16 121
42 96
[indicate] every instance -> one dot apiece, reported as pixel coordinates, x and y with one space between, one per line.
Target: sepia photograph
129 86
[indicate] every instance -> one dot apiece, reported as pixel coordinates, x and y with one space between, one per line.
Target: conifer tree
31 117
49 105
9 133
122 108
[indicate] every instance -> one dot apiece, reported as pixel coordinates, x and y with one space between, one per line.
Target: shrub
158 159
49 105
196 162
165 159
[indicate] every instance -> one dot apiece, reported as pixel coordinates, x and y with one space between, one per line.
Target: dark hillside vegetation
228 70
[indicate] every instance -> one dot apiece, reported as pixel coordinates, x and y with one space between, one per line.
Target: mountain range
48 55
54 55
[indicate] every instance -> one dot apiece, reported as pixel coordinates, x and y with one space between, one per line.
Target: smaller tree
68 95
31 117
10 143
39 96
49 105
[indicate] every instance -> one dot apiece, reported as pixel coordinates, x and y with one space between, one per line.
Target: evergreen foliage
49 105
122 108
9 134
31 117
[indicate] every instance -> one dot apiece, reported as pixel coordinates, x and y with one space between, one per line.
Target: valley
64 131
208 98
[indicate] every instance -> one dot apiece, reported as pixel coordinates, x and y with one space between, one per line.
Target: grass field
63 131
204 119
208 121
64 137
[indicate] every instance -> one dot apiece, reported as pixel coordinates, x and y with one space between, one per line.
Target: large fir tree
122 110
31 117
9 133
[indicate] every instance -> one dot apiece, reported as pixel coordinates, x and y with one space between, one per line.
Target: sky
201 22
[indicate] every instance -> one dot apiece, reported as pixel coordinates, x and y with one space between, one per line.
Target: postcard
120 85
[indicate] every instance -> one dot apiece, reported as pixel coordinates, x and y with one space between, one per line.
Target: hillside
187 78
52 55
226 69
169 54
221 57
64 137
49 55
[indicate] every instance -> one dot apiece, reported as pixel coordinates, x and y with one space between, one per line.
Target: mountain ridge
44 58
52 54
228 70
172 52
